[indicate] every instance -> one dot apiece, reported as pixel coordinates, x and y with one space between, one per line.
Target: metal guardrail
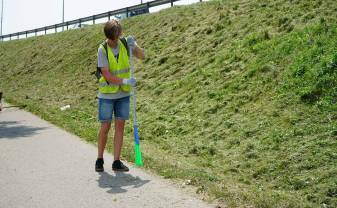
93 18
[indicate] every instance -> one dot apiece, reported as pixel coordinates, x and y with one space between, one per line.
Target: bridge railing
127 11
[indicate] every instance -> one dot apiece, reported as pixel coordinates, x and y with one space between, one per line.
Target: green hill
236 97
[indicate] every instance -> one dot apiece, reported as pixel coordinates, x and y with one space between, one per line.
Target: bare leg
102 138
118 139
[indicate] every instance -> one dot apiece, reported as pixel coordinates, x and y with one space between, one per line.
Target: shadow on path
13 130
116 182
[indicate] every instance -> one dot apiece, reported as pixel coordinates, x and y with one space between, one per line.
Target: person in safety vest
114 89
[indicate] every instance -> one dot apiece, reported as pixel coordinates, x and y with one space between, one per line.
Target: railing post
55 28
109 14
80 23
26 34
171 3
127 11
35 32
93 19
45 30
67 25
18 35
10 36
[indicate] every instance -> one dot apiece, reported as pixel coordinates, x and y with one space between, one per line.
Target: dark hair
112 29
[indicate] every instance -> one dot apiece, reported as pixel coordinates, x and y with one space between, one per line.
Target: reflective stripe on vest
122 71
119 69
104 84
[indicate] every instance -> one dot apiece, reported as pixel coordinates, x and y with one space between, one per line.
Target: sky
22 15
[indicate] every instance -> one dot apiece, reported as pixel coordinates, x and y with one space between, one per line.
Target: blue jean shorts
118 107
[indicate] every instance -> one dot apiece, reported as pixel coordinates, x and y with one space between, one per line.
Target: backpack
98 72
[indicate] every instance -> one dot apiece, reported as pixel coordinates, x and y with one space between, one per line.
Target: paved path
41 165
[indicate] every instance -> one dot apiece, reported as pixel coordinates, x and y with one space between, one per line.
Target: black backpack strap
123 40
98 72
105 46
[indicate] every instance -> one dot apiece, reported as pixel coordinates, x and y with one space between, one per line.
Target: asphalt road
42 165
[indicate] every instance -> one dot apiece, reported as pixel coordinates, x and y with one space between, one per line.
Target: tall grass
236 97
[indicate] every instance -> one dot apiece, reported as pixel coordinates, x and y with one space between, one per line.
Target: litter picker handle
133 91
138 153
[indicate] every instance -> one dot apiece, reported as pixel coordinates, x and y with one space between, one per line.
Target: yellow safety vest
120 68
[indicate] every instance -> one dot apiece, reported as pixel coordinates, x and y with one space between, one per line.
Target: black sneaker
117 165
99 165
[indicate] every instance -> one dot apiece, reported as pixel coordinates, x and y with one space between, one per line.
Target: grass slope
237 96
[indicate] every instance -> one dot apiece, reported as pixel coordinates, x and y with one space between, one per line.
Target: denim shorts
118 107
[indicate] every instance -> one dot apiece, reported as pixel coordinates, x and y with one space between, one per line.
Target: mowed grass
236 97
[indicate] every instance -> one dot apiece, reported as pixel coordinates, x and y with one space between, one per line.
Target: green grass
237 96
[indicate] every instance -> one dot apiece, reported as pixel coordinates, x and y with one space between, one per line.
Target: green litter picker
138 153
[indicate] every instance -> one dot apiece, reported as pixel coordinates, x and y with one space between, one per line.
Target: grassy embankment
237 96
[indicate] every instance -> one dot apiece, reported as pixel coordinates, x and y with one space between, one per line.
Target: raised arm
137 51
